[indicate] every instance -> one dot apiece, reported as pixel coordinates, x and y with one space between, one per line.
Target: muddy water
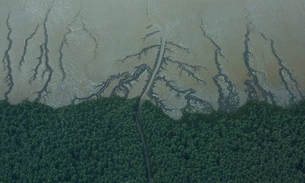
183 55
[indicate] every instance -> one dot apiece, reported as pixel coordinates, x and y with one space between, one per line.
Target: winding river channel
148 87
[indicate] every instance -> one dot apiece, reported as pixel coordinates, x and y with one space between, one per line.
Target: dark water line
143 139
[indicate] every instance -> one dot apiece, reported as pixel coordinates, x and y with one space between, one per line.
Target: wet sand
181 55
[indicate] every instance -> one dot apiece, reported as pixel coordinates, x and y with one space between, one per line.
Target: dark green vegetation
258 143
97 141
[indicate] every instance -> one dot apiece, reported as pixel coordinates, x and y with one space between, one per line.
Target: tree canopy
98 141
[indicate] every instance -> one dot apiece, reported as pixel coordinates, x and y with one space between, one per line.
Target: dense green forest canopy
98 141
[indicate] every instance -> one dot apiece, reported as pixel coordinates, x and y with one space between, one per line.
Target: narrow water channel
148 87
